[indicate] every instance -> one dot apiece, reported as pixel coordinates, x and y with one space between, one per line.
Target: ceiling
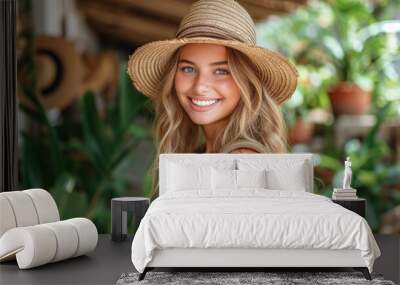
136 22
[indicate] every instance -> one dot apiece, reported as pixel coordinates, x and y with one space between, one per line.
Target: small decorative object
347 174
347 192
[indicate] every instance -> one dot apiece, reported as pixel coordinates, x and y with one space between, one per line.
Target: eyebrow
214 63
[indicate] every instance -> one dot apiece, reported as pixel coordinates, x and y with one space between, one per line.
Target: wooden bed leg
364 271
143 274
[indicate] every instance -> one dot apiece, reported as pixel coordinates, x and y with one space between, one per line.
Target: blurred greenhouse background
85 133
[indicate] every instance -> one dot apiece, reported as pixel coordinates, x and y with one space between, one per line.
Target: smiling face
204 85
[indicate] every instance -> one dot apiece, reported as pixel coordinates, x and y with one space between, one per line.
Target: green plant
355 39
375 178
356 43
84 164
310 93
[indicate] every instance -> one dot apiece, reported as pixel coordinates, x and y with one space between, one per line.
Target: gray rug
229 278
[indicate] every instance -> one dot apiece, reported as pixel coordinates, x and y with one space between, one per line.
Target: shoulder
244 146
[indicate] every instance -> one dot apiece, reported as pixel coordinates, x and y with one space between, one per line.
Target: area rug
229 278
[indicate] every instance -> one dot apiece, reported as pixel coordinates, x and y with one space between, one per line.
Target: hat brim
65 73
147 65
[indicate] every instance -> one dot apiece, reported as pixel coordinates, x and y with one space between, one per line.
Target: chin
202 121
204 118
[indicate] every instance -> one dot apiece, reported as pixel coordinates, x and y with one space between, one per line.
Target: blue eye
221 71
187 69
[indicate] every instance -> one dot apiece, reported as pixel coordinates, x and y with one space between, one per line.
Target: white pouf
23 209
46 207
40 244
32 233
26 208
7 219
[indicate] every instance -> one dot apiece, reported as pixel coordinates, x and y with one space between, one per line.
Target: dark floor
102 266
111 259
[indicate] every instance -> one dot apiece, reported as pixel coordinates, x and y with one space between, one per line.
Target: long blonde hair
256 118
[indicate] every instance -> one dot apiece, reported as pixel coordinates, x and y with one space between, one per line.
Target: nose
202 85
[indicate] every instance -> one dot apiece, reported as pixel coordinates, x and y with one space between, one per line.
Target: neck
211 131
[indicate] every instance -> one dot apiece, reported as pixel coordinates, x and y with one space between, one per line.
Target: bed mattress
250 218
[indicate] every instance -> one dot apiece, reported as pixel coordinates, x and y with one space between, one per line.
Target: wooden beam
172 10
141 21
118 35
273 5
121 23
257 13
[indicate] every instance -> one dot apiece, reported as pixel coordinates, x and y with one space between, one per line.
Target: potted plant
355 39
309 96
359 48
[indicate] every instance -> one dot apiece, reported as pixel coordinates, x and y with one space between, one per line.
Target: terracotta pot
349 98
301 132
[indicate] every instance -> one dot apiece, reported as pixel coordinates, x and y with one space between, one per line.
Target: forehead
203 52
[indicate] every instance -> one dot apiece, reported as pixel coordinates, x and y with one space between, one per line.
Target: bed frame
241 259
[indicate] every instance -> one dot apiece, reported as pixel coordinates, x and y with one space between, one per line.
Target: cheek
230 91
182 84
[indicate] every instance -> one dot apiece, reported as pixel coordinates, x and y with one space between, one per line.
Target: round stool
119 216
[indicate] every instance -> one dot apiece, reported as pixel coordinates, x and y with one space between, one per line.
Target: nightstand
119 214
358 206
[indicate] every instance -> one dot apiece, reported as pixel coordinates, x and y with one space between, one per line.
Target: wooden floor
111 259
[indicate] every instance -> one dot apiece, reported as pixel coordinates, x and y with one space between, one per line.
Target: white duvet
251 218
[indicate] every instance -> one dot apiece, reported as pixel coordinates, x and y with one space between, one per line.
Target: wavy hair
256 118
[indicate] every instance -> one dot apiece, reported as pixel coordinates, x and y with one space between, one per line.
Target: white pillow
282 174
295 180
223 179
251 178
237 179
183 177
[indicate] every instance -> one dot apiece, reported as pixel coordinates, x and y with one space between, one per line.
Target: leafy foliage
354 40
81 163
345 40
374 176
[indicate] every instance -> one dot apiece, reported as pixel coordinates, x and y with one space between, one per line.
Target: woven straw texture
222 22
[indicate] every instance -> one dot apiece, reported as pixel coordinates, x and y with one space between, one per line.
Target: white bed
201 219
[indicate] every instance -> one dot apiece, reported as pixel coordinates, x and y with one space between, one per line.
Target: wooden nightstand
358 206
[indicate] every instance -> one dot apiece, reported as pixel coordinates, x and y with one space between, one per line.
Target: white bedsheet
251 218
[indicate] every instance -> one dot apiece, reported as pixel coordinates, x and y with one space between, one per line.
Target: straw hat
64 74
222 22
59 72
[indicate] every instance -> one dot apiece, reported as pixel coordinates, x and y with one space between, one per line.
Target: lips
203 104
203 98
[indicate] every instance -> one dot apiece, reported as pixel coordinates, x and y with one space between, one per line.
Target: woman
213 89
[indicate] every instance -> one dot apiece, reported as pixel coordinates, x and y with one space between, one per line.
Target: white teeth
204 102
